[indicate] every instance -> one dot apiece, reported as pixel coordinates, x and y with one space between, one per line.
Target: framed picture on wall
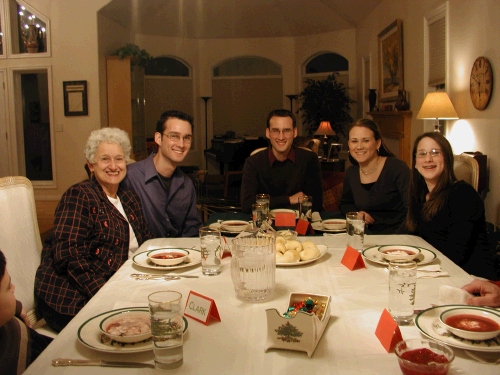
75 98
390 51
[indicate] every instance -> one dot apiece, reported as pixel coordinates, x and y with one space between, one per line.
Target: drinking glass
253 266
402 283
355 225
305 207
264 199
259 214
167 328
211 251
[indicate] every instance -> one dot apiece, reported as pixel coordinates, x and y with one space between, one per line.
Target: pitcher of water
253 265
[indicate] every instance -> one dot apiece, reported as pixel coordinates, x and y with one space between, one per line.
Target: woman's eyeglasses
432 153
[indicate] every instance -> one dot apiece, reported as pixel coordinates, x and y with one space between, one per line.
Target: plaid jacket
90 242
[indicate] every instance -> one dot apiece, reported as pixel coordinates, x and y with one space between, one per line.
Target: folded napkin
430 271
315 216
450 295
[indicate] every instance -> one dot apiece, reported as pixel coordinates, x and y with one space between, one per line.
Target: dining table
237 343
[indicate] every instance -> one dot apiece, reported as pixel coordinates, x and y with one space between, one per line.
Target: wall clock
481 83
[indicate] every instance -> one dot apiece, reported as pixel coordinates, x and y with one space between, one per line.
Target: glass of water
259 214
402 285
167 328
211 251
305 207
264 199
355 225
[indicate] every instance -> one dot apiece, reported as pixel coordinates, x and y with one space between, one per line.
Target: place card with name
284 219
304 227
352 259
388 332
201 308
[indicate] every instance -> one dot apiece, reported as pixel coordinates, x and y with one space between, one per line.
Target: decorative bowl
234 225
127 326
168 257
419 356
333 224
471 322
287 234
399 252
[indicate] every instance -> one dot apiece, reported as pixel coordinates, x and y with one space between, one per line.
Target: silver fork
146 276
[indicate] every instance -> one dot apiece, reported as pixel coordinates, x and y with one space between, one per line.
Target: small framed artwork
75 98
390 51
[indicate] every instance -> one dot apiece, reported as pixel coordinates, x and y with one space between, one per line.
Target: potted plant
325 100
137 55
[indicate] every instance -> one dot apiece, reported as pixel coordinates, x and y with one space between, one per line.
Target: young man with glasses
168 196
282 170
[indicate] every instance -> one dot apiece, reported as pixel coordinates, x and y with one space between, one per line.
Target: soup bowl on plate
234 225
333 224
127 326
472 323
168 256
399 252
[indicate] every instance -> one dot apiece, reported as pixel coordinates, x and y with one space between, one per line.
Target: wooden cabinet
125 84
396 125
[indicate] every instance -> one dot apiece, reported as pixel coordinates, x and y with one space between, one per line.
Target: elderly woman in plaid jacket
98 224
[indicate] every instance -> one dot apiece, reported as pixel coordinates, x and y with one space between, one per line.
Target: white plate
322 251
319 227
217 226
373 255
142 260
282 210
90 335
428 323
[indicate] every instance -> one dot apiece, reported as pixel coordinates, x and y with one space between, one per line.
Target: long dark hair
370 124
3 265
417 203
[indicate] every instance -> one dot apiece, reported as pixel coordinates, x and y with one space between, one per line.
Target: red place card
284 219
352 259
201 308
388 331
303 227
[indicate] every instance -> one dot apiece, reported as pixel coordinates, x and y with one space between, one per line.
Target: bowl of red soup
419 357
472 323
399 252
168 257
234 225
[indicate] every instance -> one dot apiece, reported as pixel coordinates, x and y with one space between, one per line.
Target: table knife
148 276
89 362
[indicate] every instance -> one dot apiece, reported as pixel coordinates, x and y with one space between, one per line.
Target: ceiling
216 19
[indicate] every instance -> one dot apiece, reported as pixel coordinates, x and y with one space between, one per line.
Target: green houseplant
137 55
325 100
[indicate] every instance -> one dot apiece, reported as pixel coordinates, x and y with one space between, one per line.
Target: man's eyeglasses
176 137
276 132
432 153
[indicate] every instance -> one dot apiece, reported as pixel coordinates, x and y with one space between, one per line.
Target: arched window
167 66
327 63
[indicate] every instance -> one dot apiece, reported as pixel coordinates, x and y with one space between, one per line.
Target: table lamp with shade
437 105
325 129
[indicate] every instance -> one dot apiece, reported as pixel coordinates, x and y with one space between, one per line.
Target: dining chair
466 168
20 242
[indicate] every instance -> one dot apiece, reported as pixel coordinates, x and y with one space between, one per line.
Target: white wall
473 32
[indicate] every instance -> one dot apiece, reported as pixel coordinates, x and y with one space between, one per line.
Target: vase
31 39
372 98
402 103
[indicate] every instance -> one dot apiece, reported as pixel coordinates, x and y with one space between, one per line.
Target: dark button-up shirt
174 215
90 242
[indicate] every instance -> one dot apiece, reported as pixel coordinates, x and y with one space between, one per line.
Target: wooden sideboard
396 125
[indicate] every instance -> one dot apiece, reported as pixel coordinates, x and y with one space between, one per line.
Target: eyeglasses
432 153
174 137
277 132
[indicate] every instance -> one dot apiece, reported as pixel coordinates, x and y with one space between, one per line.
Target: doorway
4 144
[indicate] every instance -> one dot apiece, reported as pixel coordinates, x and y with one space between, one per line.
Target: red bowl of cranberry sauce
423 357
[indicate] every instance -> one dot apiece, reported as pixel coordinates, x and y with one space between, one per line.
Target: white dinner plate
282 210
224 231
322 251
142 260
319 227
428 323
89 335
373 255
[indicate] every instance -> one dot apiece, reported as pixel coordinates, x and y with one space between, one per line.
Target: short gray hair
110 135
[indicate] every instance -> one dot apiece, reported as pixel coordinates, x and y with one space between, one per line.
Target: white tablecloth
236 344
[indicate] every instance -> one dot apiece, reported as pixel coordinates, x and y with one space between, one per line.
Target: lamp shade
324 129
437 105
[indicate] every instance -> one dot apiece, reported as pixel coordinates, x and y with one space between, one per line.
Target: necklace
373 170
